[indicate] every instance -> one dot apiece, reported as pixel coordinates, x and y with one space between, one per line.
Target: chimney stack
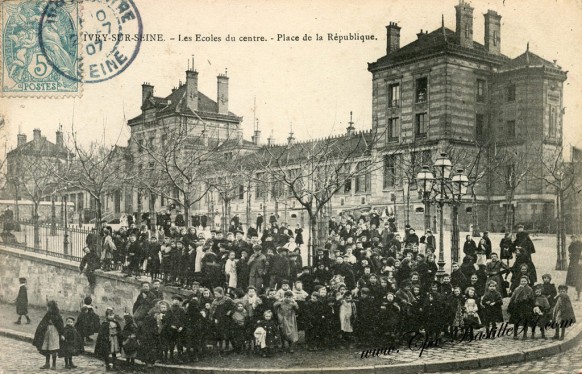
36 135
147 90
270 139
464 27
222 93
59 139
21 139
192 88
493 32
393 38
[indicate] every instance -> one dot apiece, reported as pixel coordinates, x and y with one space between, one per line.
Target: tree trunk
98 224
407 212
248 210
139 209
36 229
563 241
312 241
187 212
474 218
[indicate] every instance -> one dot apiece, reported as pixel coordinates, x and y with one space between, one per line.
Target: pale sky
311 85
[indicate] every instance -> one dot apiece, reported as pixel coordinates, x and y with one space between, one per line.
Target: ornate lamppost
441 190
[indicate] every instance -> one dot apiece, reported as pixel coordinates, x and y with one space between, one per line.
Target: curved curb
406 368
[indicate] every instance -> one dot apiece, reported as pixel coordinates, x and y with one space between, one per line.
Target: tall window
344 176
420 125
164 141
392 135
363 178
389 171
421 89
553 122
152 143
511 92
241 192
480 90
510 127
394 95
479 125
140 145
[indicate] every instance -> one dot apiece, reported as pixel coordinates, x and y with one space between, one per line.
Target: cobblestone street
569 362
21 357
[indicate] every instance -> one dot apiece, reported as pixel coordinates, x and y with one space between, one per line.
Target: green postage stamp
39 48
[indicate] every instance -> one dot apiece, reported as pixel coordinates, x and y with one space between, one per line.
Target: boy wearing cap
22 302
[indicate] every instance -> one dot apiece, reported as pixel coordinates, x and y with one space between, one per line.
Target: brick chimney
192 87
147 90
36 135
222 93
59 139
493 32
393 38
464 28
21 138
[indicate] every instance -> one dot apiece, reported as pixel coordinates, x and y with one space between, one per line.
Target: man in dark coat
22 302
280 267
523 240
144 302
260 221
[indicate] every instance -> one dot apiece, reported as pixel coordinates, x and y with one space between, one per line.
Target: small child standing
22 302
287 314
48 333
230 270
238 330
491 303
540 312
72 345
108 340
563 314
347 316
129 335
267 334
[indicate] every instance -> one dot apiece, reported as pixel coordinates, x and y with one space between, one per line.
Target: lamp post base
441 270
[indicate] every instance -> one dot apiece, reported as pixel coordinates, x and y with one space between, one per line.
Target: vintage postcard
291 186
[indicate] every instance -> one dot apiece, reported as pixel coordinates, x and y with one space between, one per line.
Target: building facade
443 92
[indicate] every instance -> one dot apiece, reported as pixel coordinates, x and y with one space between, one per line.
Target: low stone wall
60 280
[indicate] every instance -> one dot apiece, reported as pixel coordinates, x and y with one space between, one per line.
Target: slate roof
359 145
439 40
40 147
176 103
528 59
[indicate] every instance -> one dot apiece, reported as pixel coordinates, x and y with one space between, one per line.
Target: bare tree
513 166
560 176
313 172
179 164
32 171
97 169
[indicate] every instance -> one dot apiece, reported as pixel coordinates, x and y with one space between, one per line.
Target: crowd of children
366 287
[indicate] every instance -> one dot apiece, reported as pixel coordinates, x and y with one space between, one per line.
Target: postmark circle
108 39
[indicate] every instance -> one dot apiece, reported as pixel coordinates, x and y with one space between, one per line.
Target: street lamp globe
425 179
443 165
460 183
